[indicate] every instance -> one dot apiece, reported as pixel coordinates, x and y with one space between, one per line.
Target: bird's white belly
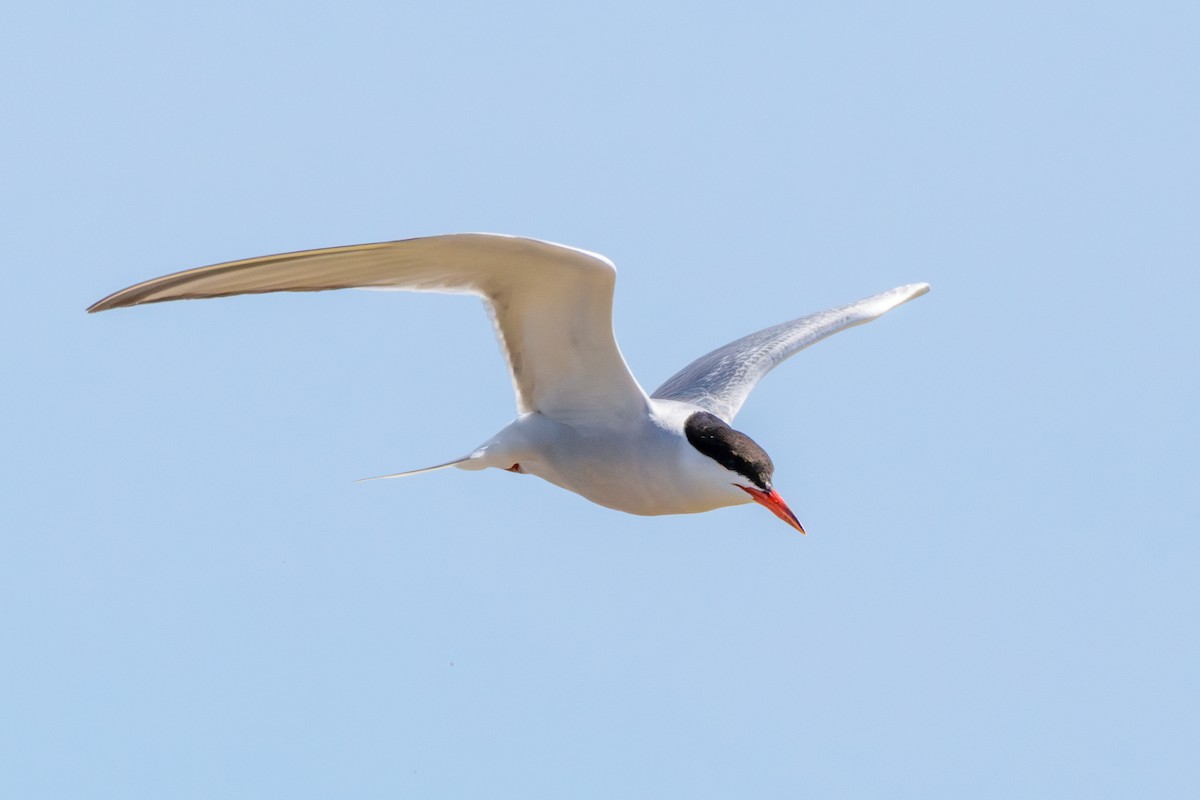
647 469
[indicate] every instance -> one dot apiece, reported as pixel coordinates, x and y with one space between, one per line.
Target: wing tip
102 305
884 302
129 296
913 290
109 303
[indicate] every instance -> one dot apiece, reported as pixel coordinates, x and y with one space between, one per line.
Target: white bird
584 422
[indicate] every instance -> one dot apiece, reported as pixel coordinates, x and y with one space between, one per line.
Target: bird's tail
455 462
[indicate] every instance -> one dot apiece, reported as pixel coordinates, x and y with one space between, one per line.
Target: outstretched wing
551 304
721 381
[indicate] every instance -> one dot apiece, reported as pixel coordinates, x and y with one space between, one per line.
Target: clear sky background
998 595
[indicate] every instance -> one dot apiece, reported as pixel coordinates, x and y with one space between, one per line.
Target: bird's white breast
644 466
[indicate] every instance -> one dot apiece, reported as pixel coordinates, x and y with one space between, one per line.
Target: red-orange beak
774 503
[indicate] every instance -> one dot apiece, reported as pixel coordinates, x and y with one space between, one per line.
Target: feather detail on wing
551 305
721 381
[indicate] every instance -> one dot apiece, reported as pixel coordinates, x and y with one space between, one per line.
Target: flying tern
584 423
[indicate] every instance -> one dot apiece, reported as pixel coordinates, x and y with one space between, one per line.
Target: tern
584 423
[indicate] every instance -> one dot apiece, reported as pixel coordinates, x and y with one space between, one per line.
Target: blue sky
998 595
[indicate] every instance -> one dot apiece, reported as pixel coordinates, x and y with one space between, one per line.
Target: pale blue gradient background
999 593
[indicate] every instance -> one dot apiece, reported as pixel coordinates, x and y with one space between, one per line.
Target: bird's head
750 466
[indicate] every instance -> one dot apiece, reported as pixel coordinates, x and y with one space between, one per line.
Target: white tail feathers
417 471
